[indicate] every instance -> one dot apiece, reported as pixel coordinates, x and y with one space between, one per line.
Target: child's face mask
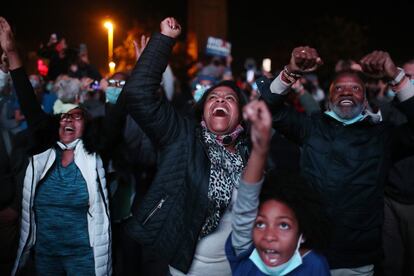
276 239
282 269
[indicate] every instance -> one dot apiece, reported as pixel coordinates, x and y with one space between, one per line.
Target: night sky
256 28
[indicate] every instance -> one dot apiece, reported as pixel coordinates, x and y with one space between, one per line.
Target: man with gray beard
345 152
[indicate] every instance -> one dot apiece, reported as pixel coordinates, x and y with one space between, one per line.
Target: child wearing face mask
284 233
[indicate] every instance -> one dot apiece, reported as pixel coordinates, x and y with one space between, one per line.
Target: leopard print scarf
225 171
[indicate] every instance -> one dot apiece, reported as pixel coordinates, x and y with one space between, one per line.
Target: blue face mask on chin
346 122
112 94
280 270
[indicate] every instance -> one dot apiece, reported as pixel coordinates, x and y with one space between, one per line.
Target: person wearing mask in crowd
200 84
398 230
185 216
129 175
65 213
275 237
345 152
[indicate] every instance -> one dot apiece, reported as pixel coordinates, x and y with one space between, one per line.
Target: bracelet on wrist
287 78
292 74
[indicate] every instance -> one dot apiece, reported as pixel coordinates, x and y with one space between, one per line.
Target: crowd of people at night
262 173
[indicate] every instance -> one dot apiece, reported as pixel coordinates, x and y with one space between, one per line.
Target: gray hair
68 89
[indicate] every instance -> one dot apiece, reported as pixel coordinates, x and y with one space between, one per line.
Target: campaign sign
218 47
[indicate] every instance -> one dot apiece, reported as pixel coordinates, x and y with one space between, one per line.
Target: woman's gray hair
68 89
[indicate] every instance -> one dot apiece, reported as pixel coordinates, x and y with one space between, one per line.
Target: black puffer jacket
347 165
174 209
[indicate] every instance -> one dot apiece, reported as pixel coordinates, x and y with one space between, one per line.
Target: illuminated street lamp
110 27
111 67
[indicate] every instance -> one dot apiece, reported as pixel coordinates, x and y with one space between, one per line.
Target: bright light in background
110 26
267 64
111 67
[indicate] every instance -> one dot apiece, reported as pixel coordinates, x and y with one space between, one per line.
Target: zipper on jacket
30 222
155 209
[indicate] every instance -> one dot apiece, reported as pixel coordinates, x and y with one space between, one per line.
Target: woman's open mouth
220 112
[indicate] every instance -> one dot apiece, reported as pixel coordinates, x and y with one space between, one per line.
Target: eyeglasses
72 116
116 83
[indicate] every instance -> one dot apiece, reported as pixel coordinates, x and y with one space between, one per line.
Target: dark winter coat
348 166
174 210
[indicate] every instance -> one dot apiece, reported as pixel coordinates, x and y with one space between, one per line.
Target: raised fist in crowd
379 64
257 113
170 27
304 59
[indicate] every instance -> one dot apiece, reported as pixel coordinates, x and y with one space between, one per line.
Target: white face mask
69 146
280 270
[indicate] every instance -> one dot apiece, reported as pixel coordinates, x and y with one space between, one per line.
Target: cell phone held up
94 85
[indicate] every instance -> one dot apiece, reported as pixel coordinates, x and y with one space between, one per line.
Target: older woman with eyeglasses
65 216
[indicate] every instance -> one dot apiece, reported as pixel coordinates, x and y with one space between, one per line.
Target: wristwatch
398 78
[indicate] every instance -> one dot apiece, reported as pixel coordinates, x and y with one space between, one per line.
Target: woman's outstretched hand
139 47
6 36
8 44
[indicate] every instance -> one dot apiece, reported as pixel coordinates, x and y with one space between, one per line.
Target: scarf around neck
225 171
